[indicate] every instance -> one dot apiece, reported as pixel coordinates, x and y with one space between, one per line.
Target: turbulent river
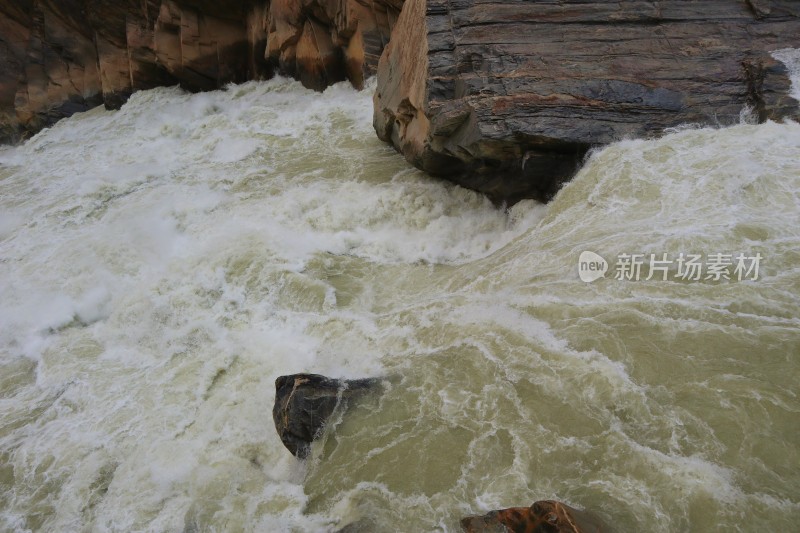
161 265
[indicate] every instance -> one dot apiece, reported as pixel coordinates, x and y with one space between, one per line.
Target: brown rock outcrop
324 41
305 402
546 516
507 98
62 56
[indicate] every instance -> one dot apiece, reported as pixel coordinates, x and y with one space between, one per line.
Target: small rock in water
304 402
546 516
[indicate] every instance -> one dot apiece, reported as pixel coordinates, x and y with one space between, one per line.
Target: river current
162 264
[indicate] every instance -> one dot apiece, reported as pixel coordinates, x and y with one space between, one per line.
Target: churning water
161 265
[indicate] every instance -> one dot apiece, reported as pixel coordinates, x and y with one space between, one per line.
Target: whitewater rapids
161 265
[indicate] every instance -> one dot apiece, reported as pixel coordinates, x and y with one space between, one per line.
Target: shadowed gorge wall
63 56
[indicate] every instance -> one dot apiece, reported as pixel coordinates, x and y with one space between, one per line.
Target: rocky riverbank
508 98
505 99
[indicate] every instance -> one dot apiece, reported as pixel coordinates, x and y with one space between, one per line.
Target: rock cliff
507 97
62 56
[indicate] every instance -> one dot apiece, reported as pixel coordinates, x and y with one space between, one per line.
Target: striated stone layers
507 97
62 56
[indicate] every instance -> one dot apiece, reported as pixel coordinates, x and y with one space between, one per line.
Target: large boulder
507 98
546 516
305 402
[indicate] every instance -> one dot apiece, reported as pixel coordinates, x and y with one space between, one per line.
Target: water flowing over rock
304 402
58 57
546 516
507 98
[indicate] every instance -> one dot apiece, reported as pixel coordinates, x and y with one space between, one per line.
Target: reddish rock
324 41
507 98
546 516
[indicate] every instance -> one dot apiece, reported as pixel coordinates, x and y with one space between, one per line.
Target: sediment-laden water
161 265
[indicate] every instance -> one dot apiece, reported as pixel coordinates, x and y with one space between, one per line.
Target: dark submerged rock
305 402
545 516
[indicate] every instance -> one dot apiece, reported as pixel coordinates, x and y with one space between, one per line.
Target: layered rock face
507 97
62 56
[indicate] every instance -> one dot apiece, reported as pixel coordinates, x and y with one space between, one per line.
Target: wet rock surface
305 402
546 516
507 98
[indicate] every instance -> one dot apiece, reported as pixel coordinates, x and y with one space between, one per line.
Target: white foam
791 58
155 264
164 263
